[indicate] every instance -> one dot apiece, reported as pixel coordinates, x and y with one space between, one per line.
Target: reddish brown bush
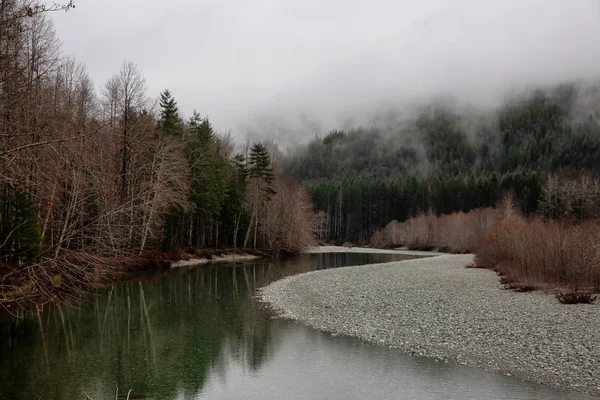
456 233
544 254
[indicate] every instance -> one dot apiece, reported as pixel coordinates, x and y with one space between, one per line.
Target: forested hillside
444 160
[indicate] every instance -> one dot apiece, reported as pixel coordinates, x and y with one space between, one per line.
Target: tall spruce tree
261 169
210 183
261 176
170 122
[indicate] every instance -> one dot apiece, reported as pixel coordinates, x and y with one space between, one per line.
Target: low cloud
290 69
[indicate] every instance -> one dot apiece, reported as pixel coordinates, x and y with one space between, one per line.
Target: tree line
442 161
118 173
354 208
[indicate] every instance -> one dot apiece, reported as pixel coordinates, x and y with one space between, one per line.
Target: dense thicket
543 254
442 161
455 233
117 174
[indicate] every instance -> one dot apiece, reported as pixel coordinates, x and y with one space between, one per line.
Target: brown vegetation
94 182
70 276
544 255
575 298
562 256
92 168
455 233
287 222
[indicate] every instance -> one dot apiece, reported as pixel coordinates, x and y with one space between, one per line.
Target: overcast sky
301 66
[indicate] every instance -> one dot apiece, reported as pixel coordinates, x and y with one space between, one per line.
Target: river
199 333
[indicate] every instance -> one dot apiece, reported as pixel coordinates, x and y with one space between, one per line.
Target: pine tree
170 122
261 175
201 131
209 172
260 169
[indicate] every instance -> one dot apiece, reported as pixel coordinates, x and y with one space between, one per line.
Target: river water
199 333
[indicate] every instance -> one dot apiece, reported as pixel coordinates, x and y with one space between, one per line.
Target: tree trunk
248 231
235 229
255 228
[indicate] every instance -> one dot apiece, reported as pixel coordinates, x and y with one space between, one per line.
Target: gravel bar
435 307
371 250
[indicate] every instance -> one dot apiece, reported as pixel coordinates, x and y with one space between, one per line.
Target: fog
290 69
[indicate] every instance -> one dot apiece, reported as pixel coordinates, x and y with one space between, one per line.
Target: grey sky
297 66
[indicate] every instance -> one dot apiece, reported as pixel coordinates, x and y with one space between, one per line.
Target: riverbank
73 275
435 307
372 250
227 257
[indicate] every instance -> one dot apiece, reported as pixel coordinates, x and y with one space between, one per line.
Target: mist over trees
443 160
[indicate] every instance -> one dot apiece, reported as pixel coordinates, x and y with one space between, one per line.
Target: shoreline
372 250
17 296
229 257
437 308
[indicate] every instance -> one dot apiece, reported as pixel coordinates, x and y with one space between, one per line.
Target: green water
199 333
159 335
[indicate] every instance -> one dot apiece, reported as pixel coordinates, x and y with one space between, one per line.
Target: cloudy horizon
285 68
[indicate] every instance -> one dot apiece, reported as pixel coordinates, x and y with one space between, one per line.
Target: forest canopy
443 160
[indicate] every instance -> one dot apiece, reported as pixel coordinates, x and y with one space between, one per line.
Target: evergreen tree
209 173
20 235
170 122
261 176
201 131
234 212
260 168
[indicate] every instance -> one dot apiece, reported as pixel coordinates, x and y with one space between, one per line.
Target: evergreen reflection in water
160 335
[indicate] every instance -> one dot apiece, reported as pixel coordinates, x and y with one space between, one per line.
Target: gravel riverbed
435 307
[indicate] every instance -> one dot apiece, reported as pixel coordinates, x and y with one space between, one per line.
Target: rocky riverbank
436 307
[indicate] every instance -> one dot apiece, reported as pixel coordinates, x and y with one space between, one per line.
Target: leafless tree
571 198
126 96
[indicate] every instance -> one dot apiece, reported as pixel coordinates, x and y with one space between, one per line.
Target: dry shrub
70 276
456 233
380 239
544 254
575 298
519 287
288 221
60 279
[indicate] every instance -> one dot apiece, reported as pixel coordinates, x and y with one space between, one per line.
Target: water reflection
306 364
160 335
199 333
